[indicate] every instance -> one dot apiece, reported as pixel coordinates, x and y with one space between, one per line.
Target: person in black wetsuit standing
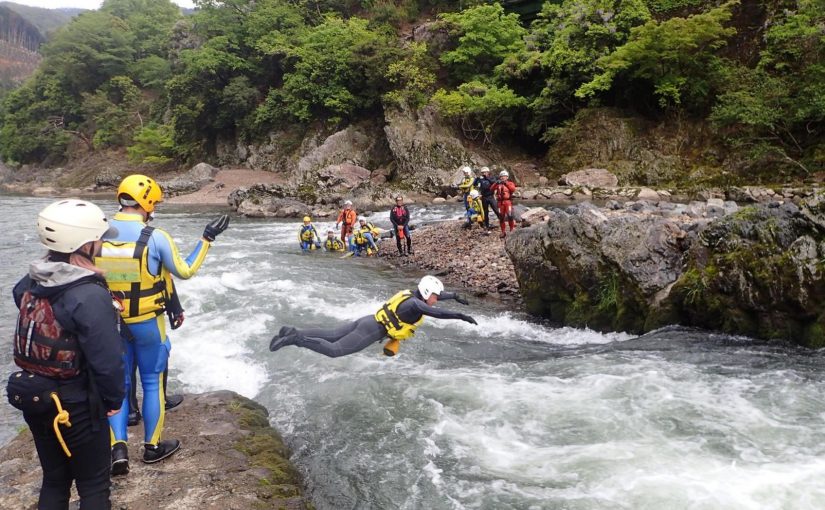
397 320
484 185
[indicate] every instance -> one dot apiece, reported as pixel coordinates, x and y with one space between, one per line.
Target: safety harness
126 267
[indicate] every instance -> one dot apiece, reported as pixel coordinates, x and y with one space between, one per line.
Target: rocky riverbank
231 459
466 259
755 270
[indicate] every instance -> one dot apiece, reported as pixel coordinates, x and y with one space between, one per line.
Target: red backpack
41 345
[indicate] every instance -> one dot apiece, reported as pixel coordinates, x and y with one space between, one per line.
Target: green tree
486 36
413 76
677 57
336 70
154 144
561 52
482 109
150 21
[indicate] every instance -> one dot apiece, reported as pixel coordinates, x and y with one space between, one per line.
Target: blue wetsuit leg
118 423
151 354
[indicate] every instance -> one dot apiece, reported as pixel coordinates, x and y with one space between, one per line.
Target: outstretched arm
416 306
169 256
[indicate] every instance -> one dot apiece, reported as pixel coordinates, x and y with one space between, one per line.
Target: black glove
460 299
177 321
467 318
215 227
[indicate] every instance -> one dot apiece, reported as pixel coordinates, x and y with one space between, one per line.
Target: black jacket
84 307
399 221
484 185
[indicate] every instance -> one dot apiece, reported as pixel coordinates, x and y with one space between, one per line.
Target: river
512 414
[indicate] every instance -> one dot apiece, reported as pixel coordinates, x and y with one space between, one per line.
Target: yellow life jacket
334 244
476 205
307 233
466 184
127 273
388 317
359 236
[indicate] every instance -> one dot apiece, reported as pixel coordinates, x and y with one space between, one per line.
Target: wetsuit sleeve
20 289
393 217
96 327
447 295
416 307
406 216
171 259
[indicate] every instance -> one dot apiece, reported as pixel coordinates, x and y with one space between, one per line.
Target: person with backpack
67 344
137 262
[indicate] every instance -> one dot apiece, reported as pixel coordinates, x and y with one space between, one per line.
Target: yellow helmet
141 189
307 219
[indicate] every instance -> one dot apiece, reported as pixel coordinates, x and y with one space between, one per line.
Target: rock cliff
756 271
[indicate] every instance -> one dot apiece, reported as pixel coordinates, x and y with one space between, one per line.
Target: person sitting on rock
504 189
346 220
475 210
308 236
484 184
397 320
400 219
333 243
466 184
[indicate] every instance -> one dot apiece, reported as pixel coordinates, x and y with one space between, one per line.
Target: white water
511 414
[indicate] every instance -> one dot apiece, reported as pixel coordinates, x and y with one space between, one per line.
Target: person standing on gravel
504 189
484 185
466 184
400 219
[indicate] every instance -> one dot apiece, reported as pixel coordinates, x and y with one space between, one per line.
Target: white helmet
361 218
467 170
67 225
504 173
485 169
348 202
430 285
473 193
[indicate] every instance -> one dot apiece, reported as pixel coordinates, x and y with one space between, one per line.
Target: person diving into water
397 320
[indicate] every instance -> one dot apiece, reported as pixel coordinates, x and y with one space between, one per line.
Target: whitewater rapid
509 414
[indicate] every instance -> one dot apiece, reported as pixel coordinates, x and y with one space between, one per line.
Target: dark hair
56 256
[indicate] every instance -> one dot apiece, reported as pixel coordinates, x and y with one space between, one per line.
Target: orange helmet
141 189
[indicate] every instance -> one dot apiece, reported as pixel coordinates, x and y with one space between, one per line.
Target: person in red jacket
504 189
346 220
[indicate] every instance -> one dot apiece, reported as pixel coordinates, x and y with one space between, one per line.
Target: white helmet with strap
430 285
67 225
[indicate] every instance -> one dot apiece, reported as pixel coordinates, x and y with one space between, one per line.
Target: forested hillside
734 87
47 21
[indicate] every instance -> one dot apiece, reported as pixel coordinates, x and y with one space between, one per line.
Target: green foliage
336 70
486 36
481 108
669 5
413 77
777 110
112 113
561 52
154 144
675 56
150 21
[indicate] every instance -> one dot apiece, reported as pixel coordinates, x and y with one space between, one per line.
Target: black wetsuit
484 185
358 335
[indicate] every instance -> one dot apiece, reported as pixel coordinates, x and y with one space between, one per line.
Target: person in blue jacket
137 263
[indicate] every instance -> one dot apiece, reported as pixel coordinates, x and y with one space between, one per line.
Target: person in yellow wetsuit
308 236
135 263
475 209
466 184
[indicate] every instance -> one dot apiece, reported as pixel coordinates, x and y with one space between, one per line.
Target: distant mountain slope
46 20
19 42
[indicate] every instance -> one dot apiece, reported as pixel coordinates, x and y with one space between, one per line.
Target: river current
511 414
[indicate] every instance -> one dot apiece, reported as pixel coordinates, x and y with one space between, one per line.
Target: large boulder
756 271
426 152
346 176
193 180
273 208
590 177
